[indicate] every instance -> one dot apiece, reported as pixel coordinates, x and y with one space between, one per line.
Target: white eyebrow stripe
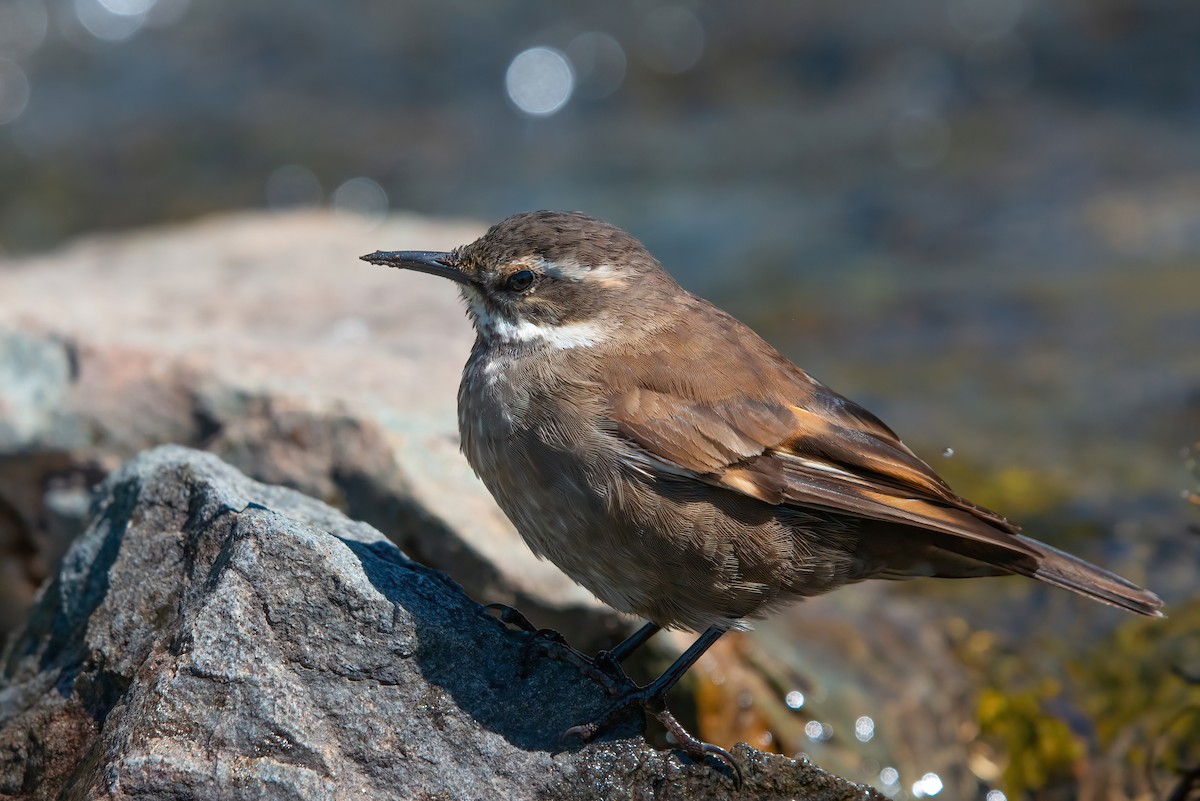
575 271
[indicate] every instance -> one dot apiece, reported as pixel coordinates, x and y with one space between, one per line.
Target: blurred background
979 218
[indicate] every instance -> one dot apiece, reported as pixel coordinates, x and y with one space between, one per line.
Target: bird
675 464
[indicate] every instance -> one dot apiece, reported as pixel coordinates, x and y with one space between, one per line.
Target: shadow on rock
513 683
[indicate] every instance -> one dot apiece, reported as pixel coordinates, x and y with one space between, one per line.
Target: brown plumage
674 463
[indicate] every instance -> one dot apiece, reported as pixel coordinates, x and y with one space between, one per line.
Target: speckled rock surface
212 637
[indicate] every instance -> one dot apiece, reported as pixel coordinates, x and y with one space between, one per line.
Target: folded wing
742 417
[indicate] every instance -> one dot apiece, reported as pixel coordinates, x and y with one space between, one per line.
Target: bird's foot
655 704
514 617
540 639
608 665
603 668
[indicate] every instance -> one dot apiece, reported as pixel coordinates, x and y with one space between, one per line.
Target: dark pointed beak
423 261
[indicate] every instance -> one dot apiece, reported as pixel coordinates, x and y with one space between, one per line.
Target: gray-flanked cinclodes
676 465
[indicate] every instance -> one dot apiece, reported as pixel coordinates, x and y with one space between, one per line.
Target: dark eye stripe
520 281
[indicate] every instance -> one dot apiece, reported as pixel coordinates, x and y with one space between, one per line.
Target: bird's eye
520 281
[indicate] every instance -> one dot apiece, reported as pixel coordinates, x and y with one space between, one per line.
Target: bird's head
554 278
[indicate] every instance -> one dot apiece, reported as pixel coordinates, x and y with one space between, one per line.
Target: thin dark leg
674 673
652 699
627 646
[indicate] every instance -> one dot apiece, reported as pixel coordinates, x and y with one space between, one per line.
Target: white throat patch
560 337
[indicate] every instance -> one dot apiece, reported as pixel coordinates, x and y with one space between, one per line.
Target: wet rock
263 339
212 637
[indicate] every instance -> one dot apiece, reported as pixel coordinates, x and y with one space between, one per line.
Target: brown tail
1072 573
992 551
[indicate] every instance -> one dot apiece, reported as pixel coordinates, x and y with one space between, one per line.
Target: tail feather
1072 573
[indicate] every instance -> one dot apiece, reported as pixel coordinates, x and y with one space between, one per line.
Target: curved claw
692 745
655 704
587 731
584 731
726 757
511 617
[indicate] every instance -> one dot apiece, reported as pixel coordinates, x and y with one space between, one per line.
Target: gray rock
212 637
